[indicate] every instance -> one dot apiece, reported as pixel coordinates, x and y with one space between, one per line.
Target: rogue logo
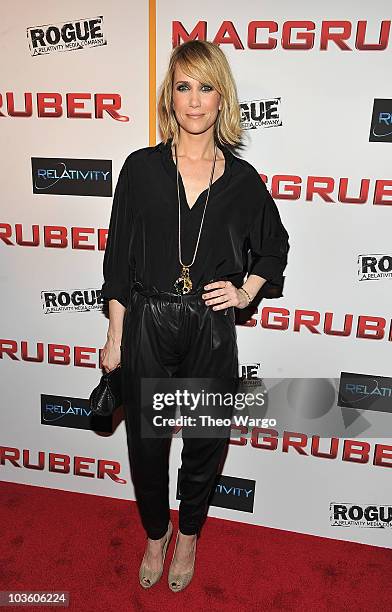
381 125
76 300
66 36
374 267
260 113
50 105
354 515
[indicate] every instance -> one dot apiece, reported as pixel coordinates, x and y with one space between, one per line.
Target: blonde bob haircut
205 62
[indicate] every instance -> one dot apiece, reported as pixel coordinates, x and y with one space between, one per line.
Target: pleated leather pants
167 335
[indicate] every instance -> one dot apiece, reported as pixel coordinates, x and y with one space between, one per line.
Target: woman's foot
183 562
154 556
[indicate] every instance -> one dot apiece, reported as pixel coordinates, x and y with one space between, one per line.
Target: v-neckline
201 194
220 181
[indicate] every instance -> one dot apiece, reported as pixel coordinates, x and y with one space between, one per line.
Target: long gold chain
184 284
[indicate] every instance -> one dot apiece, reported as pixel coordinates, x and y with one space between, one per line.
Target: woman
189 220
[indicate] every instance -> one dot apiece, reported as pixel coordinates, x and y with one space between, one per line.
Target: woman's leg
211 352
147 352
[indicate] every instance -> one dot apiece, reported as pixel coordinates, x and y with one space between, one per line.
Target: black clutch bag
106 396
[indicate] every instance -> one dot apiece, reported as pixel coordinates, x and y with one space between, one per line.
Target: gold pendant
183 284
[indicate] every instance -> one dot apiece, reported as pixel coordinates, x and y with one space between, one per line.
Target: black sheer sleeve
116 269
269 244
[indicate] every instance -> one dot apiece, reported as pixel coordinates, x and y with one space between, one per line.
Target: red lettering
179 33
112 469
321 190
7 453
38 358
78 238
297 444
31 466
73 105
333 450
363 196
6 233
111 108
372 328
8 347
83 463
102 239
382 40
269 443
279 322
383 455
59 463
337 37
351 448
346 331
19 235
59 354
55 236
253 26
81 353
44 104
28 100
307 37
290 192
310 325
227 34
241 441
382 190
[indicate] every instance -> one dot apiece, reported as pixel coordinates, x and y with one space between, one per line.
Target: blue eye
183 87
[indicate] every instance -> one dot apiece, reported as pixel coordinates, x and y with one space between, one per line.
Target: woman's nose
194 99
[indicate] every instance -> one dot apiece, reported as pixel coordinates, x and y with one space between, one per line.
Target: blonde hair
206 62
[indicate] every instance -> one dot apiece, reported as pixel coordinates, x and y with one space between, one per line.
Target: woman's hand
225 294
111 354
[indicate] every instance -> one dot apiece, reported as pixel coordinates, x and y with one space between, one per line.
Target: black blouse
242 231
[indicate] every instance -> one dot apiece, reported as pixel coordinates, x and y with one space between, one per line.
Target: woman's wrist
113 337
246 294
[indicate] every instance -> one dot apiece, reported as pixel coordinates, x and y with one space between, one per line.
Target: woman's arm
111 352
269 247
116 286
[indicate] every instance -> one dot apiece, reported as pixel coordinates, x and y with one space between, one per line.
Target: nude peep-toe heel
149 577
178 582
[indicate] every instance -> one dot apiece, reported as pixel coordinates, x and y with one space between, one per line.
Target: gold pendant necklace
183 284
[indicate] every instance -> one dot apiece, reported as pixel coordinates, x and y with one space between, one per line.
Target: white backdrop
325 109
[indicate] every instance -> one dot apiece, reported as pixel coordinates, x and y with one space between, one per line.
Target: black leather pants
167 335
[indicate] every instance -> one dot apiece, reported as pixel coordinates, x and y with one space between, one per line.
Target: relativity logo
73 412
365 392
260 114
64 176
229 492
374 266
381 126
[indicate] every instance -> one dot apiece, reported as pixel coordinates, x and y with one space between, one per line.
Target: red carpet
92 546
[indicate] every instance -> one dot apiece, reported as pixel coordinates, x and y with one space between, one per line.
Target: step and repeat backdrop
76 97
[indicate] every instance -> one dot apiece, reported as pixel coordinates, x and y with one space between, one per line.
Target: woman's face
195 104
